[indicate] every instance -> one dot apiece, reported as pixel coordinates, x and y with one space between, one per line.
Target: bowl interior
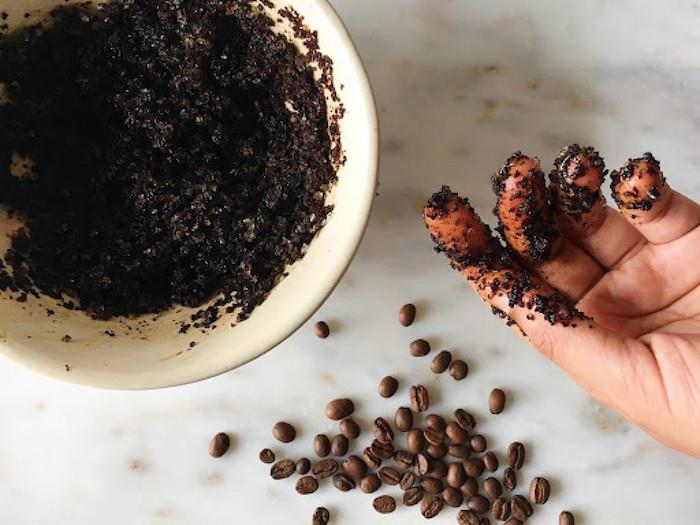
150 352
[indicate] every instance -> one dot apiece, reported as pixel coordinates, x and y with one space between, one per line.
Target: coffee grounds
161 152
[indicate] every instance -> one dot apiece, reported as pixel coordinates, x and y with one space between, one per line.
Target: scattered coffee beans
435 421
404 459
267 456
307 485
467 517
219 445
283 469
422 464
284 432
516 455
389 476
370 483
456 475
382 432
339 409
415 441
303 466
325 468
459 451
513 521
441 362
474 467
470 488
539 491
438 469
321 329
431 506
456 433
321 516
497 401
370 458
478 443
419 348
478 504
465 420
431 485
490 461
384 504
420 401
566 518
339 445
343 482
434 436
354 467
436 451
452 497
349 428
403 419
388 386
520 508
484 521
492 488
407 314
500 509
408 480
382 450
322 445
459 370
413 496
510 479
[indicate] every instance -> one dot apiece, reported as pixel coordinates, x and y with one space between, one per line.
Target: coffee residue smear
162 153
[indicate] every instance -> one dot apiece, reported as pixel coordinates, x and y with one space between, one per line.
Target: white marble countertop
460 84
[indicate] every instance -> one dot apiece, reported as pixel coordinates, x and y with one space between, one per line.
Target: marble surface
460 84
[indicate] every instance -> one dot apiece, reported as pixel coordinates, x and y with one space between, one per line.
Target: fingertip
640 189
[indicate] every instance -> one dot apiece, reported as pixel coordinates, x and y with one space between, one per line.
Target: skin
641 354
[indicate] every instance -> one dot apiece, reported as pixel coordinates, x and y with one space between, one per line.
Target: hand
611 297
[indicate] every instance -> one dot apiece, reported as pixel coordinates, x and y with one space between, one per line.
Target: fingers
646 200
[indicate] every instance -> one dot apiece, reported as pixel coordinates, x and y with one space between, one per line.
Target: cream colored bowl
147 353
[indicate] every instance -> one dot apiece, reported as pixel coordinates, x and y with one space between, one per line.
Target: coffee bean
219 445
459 370
492 488
497 401
339 409
520 508
436 422
438 469
343 482
432 485
404 459
354 467
510 479
384 504
408 480
382 432
478 504
420 348
267 456
467 517
459 451
413 496
339 445
478 443
500 509
452 497
422 464
516 455
415 441
456 433
441 362
474 467
303 466
420 400
321 329
437 451
465 420
539 491
433 436
407 314
284 432
282 469
484 521
349 428
566 518
403 419
456 475
382 450
470 487
322 445
513 521
431 506
388 386
325 468
321 516
490 461
389 476
370 458
370 483
307 485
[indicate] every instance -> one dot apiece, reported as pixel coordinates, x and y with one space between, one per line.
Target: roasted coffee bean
467 517
510 479
513 521
339 409
282 469
456 475
349 428
420 401
403 419
267 456
370 483
490 461
382 432
389 476
354 467
435 421
322 445
438 469
432 485
492 488
343 482
415 441
388 386
408 480
413 496
516 455
520 508
382 450
321 516
422 464
441 362
437 451
478 504
456 433
339 445
433 436
478 443
470 487
370 458
474 467
419 348
500 509
459 370
459 451
484 521
303 466
404 459
431 506
219 445
384 504
321 329
566 518
407 314
497 401
465 420
325 468
307 485
539 491
452 497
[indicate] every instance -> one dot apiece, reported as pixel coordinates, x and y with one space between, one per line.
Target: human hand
611 297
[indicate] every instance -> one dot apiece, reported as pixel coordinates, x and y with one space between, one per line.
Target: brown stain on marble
327 377
606 420
391 145
533 85
137 465
162 514
209 479
40 406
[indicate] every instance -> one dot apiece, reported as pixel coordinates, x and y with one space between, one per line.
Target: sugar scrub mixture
160 153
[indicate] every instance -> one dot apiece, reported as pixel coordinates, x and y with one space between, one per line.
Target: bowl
148 351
